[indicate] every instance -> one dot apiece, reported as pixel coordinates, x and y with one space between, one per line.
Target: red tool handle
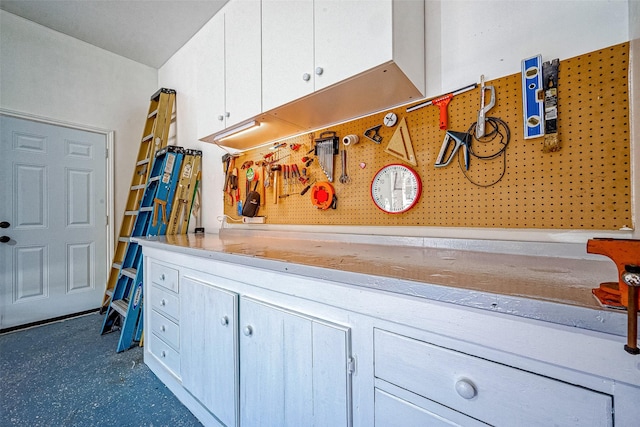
442 104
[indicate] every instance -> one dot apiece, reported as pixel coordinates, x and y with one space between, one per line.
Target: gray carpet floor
67 374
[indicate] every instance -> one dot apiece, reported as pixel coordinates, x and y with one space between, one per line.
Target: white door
52 195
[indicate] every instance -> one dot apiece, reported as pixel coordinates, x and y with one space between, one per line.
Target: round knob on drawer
466 389
221 117
319 71
224 320
162 328
162 277
227 114
163 303
306 77
247 331
163 354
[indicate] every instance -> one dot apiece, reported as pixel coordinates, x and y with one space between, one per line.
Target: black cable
494 128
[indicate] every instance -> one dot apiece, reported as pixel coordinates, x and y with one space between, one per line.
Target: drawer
414 411
165 302
164 353
165 329
164 276
485 390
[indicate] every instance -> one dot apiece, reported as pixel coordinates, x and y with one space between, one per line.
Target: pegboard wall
584 185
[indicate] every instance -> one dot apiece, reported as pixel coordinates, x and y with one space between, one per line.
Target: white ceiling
146 31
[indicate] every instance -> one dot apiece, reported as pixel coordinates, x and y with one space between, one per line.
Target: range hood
372 91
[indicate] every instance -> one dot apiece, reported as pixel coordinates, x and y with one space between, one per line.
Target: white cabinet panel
302 364
209 346
287 51
210 101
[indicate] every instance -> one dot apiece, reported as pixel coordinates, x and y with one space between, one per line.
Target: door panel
53 194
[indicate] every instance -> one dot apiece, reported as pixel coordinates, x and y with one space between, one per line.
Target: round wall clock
396 188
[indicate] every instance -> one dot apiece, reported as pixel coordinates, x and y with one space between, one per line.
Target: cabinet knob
466 389
224 320
319 71
163 302
164 353
306 77
227 114
247 331
221 117
162 277
4 224
162 328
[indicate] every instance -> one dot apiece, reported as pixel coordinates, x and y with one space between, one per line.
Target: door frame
109 190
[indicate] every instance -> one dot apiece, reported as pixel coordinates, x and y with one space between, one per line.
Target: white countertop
549 288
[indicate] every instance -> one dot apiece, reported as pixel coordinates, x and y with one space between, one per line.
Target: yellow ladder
154 137
187 185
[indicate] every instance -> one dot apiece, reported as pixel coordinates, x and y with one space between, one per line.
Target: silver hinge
351 365
107 219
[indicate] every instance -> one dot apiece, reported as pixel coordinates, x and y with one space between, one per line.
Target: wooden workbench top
549 288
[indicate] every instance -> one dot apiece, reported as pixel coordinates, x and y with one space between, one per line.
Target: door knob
4 239
4 224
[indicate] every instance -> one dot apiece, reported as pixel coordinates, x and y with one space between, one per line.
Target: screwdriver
303 192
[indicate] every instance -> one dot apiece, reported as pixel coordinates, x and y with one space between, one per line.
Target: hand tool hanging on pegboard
550 81
327 146
442 102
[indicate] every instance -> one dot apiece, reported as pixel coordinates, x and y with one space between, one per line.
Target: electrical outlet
253 220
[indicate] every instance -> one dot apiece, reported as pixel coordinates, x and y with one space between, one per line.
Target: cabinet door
210 102
287 51
293 369
243 59
208 342
351 37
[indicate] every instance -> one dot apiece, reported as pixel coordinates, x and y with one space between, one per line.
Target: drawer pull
163 354
247 331
224 320
162 328
466 389
163 302
162 277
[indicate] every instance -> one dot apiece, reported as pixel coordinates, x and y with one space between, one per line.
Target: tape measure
322 195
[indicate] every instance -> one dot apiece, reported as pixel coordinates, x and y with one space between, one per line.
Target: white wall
50 75
464 39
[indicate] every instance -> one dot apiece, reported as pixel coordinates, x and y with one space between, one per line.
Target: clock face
396 188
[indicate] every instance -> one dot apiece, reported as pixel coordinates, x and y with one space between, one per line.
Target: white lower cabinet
209 346
295 370
484 390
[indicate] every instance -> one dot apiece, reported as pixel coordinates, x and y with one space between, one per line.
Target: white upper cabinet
229 67
308 45
243 87
287 51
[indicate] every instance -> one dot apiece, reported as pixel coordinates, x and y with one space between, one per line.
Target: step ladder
154 137
186 191
151 219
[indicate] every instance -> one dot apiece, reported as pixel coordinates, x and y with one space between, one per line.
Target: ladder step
116 265
138 187
154 179
129 272
124 239
142 162
153 113
147 138
109 292
120 306
147 209
131 213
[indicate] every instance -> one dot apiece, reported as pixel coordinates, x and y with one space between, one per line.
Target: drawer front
164 276
165 329
485 390
165 302
164 353
393 411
